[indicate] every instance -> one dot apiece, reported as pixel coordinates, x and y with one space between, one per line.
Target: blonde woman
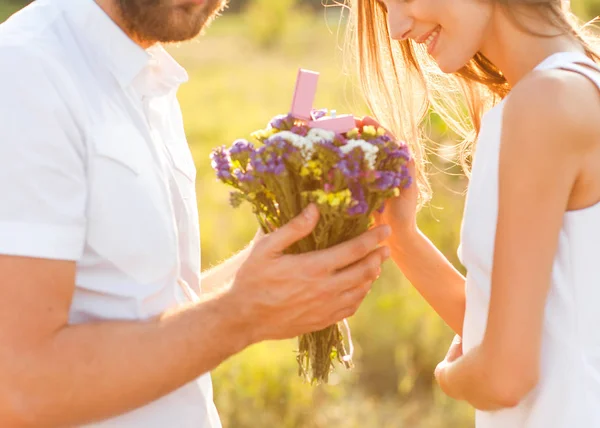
528 308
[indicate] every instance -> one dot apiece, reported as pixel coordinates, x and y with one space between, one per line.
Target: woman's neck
516 52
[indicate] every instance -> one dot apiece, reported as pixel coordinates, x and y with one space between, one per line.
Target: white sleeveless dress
568 394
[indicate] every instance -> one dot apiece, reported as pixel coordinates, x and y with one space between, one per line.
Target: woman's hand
400 212
454 353
423 265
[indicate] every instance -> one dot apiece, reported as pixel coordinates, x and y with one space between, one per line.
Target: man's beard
160 21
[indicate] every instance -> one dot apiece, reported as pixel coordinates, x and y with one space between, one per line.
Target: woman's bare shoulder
563 105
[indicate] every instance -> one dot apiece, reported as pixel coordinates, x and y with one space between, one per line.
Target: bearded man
105 317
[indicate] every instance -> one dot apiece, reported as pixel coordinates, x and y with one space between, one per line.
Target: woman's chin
449 65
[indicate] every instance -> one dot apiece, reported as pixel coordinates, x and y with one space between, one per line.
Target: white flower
368 149
316 135
304 144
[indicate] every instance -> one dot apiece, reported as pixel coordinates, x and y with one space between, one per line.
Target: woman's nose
399 21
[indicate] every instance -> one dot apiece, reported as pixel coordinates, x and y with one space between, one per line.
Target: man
99 230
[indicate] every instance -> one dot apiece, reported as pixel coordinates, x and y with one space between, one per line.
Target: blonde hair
401 82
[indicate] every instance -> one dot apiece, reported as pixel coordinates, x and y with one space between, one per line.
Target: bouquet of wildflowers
348 175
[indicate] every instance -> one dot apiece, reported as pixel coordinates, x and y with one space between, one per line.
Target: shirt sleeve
42 160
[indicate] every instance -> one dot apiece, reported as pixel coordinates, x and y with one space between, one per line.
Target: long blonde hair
401 82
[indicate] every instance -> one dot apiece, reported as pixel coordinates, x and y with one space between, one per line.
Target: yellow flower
321 196
353 133
263 134
257 134
340 198
381 132
369 131
312 169
346 196
336 199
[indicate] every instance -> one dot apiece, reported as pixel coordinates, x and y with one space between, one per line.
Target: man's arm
55 374
221 276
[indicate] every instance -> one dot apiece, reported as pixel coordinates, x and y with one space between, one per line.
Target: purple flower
244 177
281 146
264 161
318 113
349 168
282 121
329 146
257 163
358 208
403 177
277 142
398 152
359 205
380 142
241 146
223 174
221 163
386 180
240 152
301 130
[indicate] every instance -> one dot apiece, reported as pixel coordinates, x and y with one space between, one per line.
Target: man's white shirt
95 168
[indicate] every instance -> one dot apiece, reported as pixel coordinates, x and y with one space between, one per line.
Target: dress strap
591 71
575 62
560 59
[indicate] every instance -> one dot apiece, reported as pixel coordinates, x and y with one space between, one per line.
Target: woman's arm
544 141
427 269
434 277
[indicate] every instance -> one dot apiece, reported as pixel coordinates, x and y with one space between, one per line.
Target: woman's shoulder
557 105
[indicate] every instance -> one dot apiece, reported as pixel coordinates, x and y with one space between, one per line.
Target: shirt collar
152 71
162 74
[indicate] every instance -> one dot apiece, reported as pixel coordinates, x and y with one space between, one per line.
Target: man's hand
283 296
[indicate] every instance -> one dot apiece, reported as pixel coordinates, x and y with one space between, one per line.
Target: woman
531 229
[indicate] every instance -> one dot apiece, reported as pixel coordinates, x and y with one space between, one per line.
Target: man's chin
175 33
184 22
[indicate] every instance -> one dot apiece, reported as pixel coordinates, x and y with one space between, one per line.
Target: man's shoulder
32 38
37 56
36 75
28 67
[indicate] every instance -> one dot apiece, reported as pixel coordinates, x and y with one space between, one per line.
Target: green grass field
242 72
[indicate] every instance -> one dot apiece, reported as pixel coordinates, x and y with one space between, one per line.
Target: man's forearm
221 276
434 277
95 371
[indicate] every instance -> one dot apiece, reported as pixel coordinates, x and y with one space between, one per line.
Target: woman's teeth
432 37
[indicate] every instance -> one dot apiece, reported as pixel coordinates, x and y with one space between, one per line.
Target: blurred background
242 72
